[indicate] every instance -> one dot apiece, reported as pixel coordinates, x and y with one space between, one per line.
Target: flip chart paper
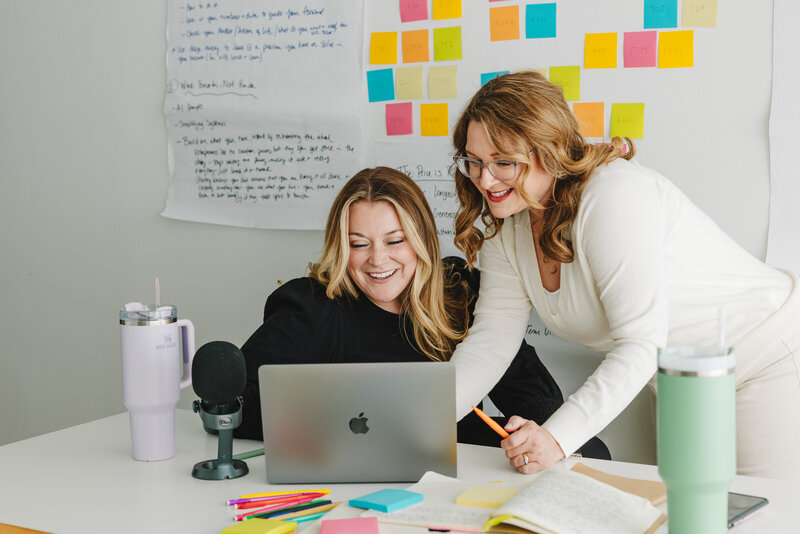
600 51
399 119
676 49
590 116
639 49
569 79
443 82
383 48
627 120
540 21
415 46
447 43
408 83
504 23
660 14
699 13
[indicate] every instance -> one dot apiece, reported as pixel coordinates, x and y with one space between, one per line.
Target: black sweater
302 325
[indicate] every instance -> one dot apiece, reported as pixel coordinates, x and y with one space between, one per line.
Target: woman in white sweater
614 257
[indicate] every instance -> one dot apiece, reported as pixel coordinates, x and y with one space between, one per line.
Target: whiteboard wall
84 178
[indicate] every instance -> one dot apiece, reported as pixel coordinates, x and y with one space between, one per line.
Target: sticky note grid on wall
441 51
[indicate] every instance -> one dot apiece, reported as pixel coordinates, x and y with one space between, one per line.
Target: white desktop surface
83 480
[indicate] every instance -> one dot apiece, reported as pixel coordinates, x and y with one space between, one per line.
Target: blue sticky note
380 85
387 500
660 14
486 76
540 21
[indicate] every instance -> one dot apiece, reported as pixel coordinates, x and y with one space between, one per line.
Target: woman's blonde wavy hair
523 114
435 305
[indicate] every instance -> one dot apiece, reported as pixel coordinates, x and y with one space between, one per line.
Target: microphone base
216 470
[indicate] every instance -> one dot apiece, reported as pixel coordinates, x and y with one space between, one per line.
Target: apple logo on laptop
358 425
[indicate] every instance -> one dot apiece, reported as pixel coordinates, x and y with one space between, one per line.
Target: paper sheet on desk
439 508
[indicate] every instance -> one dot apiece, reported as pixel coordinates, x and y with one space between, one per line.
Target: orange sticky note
627 120
443 82
590 116
504 23
699 14
569 79
383 48
447 43
446 9
676 49
600 51
408 83
433 119
415 46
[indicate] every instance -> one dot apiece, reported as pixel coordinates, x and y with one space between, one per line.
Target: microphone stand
223 418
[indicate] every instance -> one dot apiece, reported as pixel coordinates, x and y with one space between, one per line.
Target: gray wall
83 178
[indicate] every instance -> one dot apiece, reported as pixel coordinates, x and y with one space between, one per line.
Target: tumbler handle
187 347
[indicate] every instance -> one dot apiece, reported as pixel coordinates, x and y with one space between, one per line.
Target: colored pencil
292 509
274 493
305 513
266 501
275 498
278 508
491 422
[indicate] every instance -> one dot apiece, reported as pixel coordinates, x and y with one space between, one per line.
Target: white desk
83 480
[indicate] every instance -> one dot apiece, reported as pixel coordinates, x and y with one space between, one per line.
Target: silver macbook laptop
358 422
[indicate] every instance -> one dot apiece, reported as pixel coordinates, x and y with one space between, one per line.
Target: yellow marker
491 422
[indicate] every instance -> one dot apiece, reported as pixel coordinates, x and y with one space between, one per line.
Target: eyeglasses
504 170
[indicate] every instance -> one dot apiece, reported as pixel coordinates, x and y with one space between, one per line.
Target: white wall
83 178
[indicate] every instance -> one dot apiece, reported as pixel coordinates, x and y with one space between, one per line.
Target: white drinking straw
158 293
721 330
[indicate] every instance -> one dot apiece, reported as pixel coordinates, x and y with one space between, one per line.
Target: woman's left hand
530 448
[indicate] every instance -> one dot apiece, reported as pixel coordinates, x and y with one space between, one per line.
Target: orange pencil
491 422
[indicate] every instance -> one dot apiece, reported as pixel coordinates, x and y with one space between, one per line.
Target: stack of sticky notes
387 500
257 525
352 525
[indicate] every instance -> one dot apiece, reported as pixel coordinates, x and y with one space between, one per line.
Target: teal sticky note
540 21
486 76
380 85
387 500
660 14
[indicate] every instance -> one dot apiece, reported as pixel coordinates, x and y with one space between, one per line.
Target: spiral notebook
358 422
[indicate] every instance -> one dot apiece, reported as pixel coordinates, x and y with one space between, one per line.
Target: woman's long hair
436 307
523 114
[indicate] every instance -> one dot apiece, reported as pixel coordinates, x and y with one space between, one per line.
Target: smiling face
382 262
504 198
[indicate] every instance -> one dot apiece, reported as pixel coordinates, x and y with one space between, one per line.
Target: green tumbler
696 436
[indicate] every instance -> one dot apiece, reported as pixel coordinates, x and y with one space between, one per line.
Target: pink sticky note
399 119
351 525
640 49
411 10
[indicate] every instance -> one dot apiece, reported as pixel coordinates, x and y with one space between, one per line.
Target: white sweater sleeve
501 318
619 237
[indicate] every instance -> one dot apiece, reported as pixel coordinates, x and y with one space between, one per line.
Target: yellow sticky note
504 23
699 14
383 48
486 496
446 9
447 43
415 46
541 70
408 83
627 120
676 49
600 51
433 119
569 79
443 82
257 525
590 116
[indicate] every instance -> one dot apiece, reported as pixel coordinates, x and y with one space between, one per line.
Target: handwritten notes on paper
253 139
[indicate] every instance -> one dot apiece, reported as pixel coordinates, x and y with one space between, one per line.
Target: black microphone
219 377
